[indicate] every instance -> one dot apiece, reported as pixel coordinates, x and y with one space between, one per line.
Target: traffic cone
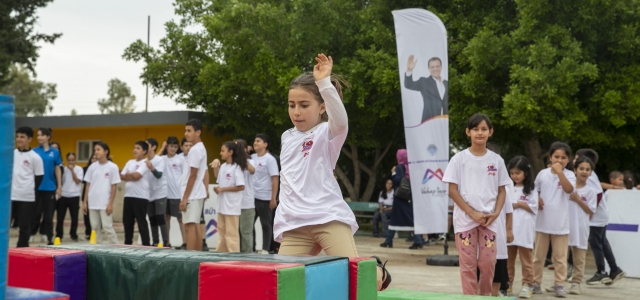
160 245
92 239
56 241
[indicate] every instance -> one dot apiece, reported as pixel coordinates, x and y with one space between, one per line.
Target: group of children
501 212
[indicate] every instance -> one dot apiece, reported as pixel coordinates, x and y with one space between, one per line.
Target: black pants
264 212
275 246
87 221
601 248
45 204
135 210
24 215
73 204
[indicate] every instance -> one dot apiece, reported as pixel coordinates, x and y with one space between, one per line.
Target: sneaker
442 237
550 289
575 289
385 245
535 289
551 267
560 292
386 277
509 291
599 278
43 238
569 272
205 248
615 276
526 292
32 238
503 293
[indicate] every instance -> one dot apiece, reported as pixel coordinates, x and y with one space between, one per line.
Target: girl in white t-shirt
101 180
525 207
312 215
71 179
582 206
477 178
554 185
230 186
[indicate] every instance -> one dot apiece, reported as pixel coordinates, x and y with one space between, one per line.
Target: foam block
14 293
251 280
321 276
362 278
7 136
49 269
396 294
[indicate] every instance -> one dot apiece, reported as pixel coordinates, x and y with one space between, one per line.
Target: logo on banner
212 224
431 174
491 170
432 149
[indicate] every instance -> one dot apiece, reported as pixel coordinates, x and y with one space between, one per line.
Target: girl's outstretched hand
323 67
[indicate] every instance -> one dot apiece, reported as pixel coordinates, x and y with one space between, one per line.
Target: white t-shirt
388 201
594 182
158 186
579 220
101 177
266 167
309 192
248 199
138 188
524 222
173 171
501 234
554 216
26 166
197 158
69 187
601 216
478 179
229 202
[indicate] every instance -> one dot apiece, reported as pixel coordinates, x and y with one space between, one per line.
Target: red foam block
33 267
239 280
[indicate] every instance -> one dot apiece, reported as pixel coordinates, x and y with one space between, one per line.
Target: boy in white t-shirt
157 194
101 180
26 176
191 185
230 195
136 195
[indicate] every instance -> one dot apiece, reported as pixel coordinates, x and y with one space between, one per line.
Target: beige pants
101 221
579 261
229 235
559 244
526 260
335 238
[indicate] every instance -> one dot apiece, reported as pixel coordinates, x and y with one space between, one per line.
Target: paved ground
410 271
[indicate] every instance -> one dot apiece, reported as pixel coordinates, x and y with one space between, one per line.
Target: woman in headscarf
402 212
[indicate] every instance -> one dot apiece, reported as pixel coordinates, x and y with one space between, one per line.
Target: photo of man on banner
434 89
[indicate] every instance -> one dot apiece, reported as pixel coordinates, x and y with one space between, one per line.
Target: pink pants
477 250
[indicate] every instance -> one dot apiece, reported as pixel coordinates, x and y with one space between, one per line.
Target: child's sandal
386 277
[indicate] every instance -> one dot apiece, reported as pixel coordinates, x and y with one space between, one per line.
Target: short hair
494 147
45 131
28 131
195 123
590 153
584 159
265 138
143 145
476 119
153 142
615 174
434 58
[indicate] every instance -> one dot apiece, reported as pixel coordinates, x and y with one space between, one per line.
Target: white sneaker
43 238
526 292
32 238
575 289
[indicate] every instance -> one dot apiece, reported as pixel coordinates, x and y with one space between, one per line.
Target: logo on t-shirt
25 163
491 170
106 175
174 166
583 198
306 147
228 176
523 198
50 154
136 168
260 166
559 185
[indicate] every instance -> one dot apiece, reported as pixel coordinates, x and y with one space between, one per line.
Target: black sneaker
599 278
386 277
385 245
183 247
416 246
615 276
205 247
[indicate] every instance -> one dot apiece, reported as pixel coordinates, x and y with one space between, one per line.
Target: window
85 150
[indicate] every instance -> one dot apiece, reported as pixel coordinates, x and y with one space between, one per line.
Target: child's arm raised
457 198
566 185
338 120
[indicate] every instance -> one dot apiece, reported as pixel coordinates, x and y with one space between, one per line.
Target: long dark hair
239 157
242 144
521 163
172 140
383 192
105 147
629 182
564 147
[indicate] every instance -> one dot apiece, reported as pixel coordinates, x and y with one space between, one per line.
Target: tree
18 41
32 97
120 100
74 112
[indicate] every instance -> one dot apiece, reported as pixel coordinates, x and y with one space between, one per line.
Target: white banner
422 56
623 230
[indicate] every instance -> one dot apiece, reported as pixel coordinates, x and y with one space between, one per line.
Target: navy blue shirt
50 160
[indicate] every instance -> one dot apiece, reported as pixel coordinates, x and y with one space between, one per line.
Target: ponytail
239 156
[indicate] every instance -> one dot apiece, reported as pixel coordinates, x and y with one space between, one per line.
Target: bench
363 210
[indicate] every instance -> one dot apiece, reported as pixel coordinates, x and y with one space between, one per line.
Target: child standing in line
174 165
525 207
70 199
582 206
552 224
102 179
26 177
157 194
598 238
477 178
136 195
230 191
313 215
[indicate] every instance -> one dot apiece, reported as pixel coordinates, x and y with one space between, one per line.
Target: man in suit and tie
434 90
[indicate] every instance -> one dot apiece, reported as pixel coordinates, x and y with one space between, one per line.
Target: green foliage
32 97
18 41
120 100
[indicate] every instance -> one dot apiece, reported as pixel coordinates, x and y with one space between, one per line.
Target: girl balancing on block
312 215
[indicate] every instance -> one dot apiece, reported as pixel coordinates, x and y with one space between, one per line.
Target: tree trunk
373 171
346 182
535 155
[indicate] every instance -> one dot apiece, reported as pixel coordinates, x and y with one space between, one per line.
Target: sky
89 53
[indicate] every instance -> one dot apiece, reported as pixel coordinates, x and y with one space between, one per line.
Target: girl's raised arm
338 120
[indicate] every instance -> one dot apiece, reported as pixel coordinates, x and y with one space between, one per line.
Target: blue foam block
329 280
29 294
7 121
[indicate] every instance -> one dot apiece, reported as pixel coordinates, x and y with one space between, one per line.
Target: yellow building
77 134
